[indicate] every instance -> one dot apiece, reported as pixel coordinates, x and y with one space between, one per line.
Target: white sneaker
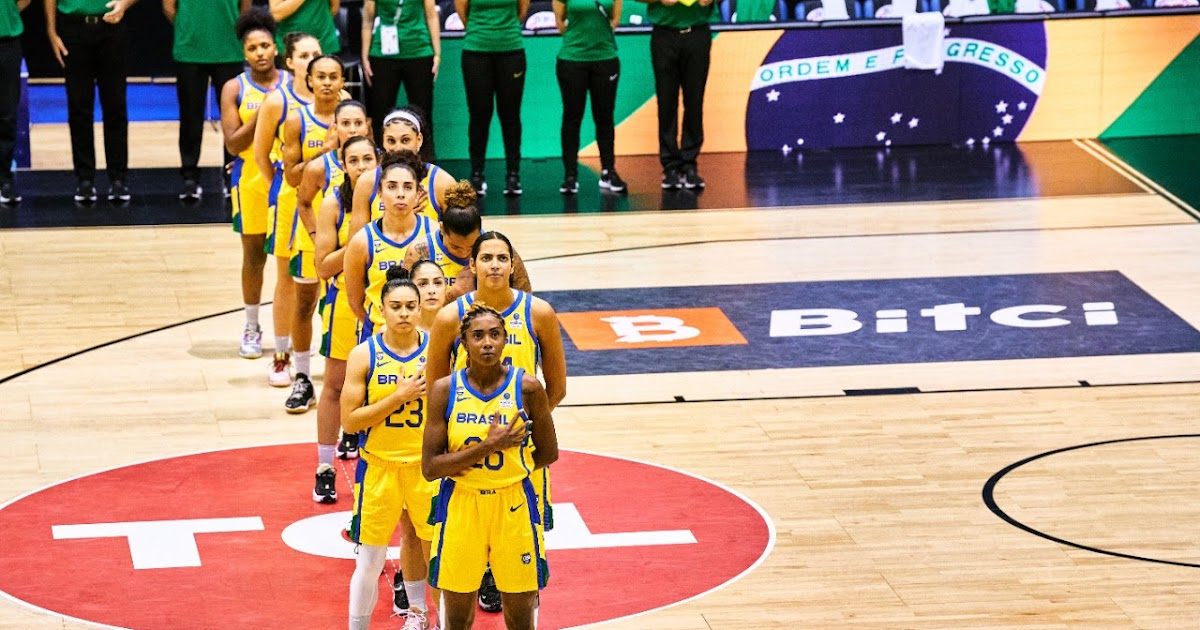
251 343
281 370
415 620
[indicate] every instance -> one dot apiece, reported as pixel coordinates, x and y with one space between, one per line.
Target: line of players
462 459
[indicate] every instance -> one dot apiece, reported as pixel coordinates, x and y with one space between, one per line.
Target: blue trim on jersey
520 413
242 81
367 330
422 221
440 512
433 171
422 338
441 245
507 379
534 518
452 398
235 172
537 346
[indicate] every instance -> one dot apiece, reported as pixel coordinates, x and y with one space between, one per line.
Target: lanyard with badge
389 35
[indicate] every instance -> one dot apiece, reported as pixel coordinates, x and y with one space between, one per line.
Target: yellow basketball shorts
541 485
281 217
248 192
339 326
303 266
474 528
383 492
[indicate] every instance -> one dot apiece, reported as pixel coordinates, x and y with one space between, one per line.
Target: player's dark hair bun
397 273
255 19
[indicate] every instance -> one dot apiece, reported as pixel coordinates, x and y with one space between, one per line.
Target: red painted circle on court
629 537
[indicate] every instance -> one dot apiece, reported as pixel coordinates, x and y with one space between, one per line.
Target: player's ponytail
397 276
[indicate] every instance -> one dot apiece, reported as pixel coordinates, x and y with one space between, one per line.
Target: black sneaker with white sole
325 491
348 447
512 185
489 595
399 596
8 193
570 185
303 395
478 183
191 191
118 192
85 192
610 181
691 179
671 179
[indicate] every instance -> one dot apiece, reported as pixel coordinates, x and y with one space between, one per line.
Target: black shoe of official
489 595
191 191
610 181
478 183
118 192
399 596
512 185
671 179
691 179
570 185
303 395
8 193
85 192
348 447
325 491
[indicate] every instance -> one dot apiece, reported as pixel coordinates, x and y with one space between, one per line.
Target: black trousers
191 86
499 76
680 60
10 101
416 75
577 79
97 60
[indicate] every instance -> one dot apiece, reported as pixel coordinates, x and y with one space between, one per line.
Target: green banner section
1169 106
541 109
1168 160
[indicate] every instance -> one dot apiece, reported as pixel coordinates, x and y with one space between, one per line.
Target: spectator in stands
680 45
206 49
11 28
588 64
493 67
314 17
404 47
90 42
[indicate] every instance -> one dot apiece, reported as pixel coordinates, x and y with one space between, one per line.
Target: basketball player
299 50
402 131
488 426
431 282
339 327
384 241
450 245
241 99
534 340
384 399
307 137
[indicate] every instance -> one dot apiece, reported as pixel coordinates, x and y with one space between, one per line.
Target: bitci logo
230 539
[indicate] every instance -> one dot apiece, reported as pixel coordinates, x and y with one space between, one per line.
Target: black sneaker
303 395
348 447
191 191
671 179
489 595
610 181
326 489
399 597
478 183
118 192
570 185
691 179
8 193
512 185
85 192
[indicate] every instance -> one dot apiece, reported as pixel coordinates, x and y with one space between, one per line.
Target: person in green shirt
206 49
10 93
90 42
588 64
493 68
314 17
402 47
680 46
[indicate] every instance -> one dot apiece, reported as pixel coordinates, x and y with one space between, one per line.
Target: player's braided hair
477 309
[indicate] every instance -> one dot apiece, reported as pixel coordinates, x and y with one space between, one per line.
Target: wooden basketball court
122 348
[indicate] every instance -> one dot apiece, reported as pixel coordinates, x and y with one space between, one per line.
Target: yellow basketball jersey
398 439
382 254
283 194
250 98
343 234
428 208
467 418
521 349
438 253
312 140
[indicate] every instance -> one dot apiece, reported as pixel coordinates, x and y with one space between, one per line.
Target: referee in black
679 49
89 40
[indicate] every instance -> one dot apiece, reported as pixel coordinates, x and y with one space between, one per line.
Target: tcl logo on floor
864 322
231 539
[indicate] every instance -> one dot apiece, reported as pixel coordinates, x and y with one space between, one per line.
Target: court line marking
989 499
767 549
1115 162
1110 164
